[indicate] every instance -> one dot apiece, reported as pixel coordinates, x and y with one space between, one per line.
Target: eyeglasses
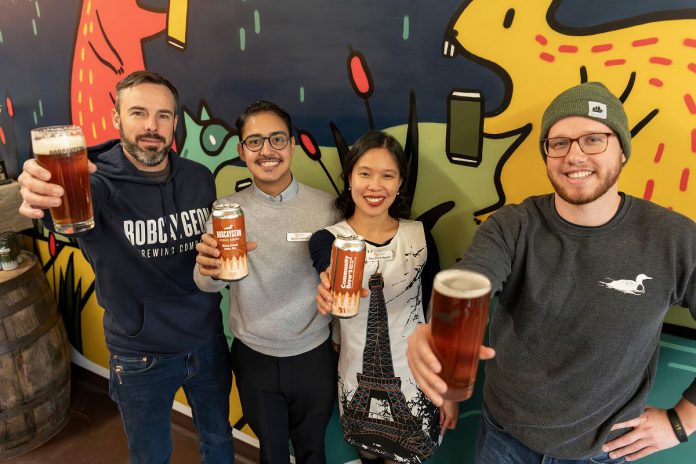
277 141
590 144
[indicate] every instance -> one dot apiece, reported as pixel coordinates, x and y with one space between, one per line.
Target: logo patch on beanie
597 110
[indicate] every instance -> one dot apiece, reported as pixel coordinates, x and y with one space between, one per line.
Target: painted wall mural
461 84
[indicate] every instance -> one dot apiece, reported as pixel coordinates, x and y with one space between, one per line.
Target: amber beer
62 151
347 264
459 316
229 232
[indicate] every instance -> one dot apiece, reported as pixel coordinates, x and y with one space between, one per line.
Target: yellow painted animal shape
648 61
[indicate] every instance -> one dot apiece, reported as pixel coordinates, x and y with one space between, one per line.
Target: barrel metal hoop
39 400
32 336
46 434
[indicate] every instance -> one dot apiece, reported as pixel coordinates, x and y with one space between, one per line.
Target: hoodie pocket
178 323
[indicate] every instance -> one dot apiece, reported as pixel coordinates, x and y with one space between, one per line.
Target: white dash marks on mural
677 347
682 367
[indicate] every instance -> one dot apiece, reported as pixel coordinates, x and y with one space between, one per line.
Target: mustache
263 159
150 136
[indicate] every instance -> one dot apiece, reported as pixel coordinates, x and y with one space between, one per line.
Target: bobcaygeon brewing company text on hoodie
142 251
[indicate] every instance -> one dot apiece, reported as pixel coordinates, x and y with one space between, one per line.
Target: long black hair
374 139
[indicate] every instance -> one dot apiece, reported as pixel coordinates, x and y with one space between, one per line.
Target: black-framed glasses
277 141
590 144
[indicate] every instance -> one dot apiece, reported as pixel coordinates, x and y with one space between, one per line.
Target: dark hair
145 77
263 106
374 139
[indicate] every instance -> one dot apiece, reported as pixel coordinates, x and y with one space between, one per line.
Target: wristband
677 425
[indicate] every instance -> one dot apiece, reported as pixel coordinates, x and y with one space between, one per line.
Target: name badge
379 256
299 236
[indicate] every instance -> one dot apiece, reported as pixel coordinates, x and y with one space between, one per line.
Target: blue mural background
298 59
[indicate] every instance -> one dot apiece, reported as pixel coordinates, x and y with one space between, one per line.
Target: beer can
7 261
11 241
228 230
347 263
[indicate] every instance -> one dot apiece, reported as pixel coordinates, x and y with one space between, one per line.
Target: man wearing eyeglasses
281 355
584 278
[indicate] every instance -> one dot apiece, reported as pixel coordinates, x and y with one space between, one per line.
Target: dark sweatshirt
142 251
577 323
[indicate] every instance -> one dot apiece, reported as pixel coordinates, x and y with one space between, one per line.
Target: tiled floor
94 433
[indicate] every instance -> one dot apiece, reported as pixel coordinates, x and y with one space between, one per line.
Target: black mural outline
104 61
340 143
203 104
583 74
411 150
668 15
450 42
643 122
523 132
629 87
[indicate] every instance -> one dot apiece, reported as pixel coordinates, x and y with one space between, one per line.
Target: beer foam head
460 283
54 141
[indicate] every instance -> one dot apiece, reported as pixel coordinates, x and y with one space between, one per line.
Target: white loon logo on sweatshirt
633 287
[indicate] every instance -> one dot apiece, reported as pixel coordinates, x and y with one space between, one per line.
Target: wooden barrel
34 360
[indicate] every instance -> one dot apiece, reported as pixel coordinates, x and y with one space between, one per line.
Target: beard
147 157
582 198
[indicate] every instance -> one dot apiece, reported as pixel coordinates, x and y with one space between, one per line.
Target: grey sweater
578 317
273 310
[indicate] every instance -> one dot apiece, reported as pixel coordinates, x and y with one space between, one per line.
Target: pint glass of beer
459 316
62 151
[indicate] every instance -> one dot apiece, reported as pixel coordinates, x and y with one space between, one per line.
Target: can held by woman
347 264
230 234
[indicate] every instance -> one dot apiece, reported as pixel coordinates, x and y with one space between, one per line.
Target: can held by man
347 264
230 234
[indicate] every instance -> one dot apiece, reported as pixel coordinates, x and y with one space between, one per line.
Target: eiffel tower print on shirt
378 412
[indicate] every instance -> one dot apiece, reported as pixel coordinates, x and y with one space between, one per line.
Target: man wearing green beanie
583 277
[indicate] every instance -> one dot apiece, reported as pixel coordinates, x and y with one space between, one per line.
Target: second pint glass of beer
62 151
459 316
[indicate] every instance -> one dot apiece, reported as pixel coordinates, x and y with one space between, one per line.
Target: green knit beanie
591 100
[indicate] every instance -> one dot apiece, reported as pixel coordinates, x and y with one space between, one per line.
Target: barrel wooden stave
34 361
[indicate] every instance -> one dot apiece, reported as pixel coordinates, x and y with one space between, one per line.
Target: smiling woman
400 265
